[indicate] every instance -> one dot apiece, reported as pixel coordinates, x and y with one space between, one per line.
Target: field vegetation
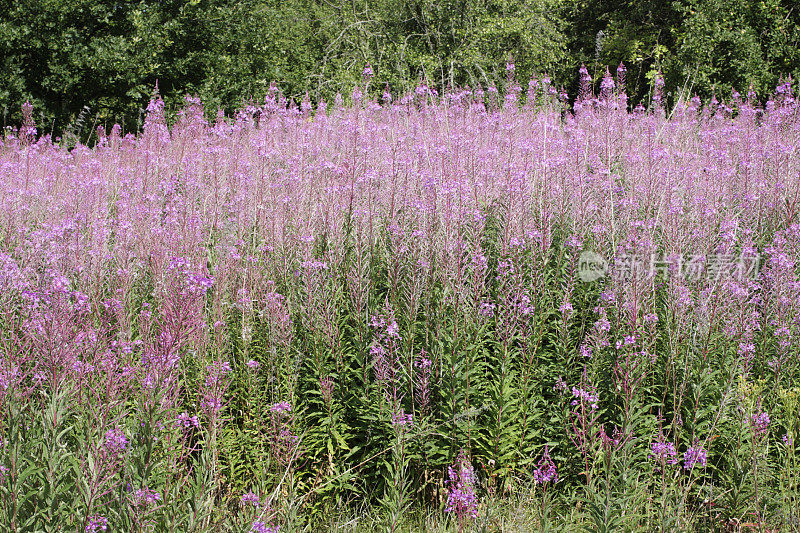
471 310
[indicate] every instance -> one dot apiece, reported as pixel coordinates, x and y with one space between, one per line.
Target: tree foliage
81 61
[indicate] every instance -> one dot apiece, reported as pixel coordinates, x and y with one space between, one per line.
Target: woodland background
81 62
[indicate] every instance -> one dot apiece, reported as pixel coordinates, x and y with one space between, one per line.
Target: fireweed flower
746 349
263 527
186 421
461 498
545 470
115 442
198 284
506 268
326 387
211 404
252 499
314 265
607 84
392 330
386 327
522 305
216 371
216 382
602 324
582 395
663 452
629 339
96 523
286 443
253 365
574 242
287 440
566 308
760 423
280 408
423 362
145 497
402 418
694 455
486 309
8 376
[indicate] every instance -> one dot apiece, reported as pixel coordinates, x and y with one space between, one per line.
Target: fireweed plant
377 314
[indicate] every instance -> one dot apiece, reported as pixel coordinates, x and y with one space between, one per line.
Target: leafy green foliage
84 63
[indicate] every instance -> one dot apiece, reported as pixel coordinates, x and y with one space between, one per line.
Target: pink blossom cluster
462 500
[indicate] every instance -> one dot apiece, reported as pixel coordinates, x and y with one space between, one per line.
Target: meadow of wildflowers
381 313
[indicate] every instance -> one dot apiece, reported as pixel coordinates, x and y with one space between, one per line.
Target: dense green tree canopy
86 61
